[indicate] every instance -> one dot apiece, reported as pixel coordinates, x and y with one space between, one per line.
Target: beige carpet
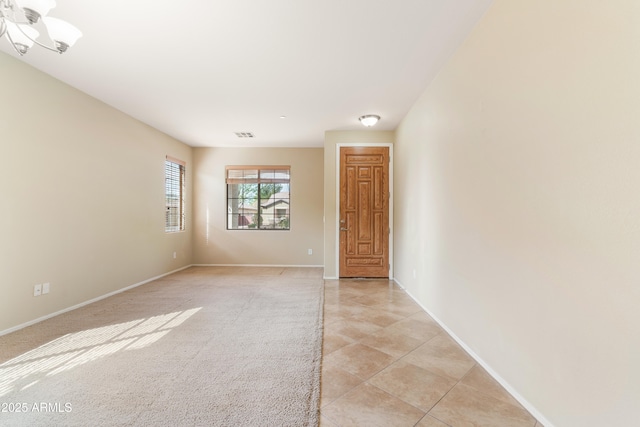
209 346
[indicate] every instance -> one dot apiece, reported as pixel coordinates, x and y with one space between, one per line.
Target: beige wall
214 244
516 194
82 202
331 141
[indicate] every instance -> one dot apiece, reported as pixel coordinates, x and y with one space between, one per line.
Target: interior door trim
337 223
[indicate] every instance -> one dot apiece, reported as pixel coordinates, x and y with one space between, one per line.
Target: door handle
344 229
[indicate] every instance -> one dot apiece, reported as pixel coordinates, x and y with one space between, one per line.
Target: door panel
364 212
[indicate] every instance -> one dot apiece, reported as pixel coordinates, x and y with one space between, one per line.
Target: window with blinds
258 197
174 184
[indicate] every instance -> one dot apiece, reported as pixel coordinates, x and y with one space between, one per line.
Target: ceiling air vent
245 135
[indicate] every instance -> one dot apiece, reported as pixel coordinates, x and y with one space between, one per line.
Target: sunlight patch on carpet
75 349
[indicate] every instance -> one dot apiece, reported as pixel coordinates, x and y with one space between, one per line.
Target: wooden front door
364 212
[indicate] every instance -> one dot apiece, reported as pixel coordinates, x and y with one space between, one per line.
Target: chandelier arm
44 46
35 41
12 43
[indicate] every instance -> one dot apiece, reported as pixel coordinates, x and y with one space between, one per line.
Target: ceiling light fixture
19 17
369 120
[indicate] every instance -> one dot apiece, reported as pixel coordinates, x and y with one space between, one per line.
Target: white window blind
174 173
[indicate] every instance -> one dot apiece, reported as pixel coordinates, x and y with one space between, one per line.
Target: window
174 171
258 197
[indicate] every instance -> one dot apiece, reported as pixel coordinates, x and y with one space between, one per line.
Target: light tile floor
387 363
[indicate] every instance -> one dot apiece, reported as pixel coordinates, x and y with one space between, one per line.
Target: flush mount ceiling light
19 17
369 120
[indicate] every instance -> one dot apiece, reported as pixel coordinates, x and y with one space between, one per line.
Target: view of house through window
258 197
174 170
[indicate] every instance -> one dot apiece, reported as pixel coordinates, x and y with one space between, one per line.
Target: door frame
337 224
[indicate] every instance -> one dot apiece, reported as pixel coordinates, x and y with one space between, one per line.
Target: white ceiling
201 70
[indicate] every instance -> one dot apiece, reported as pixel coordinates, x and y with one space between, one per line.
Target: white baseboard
257 265
82 304
525 403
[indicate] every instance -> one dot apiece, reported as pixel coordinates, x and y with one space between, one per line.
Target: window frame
174 182
259 180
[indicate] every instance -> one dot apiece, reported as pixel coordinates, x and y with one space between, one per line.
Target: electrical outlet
45 288
37 290
175 255
310 252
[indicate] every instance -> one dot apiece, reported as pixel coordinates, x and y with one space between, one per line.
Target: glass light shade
24 37
61 31
41 6
369 120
